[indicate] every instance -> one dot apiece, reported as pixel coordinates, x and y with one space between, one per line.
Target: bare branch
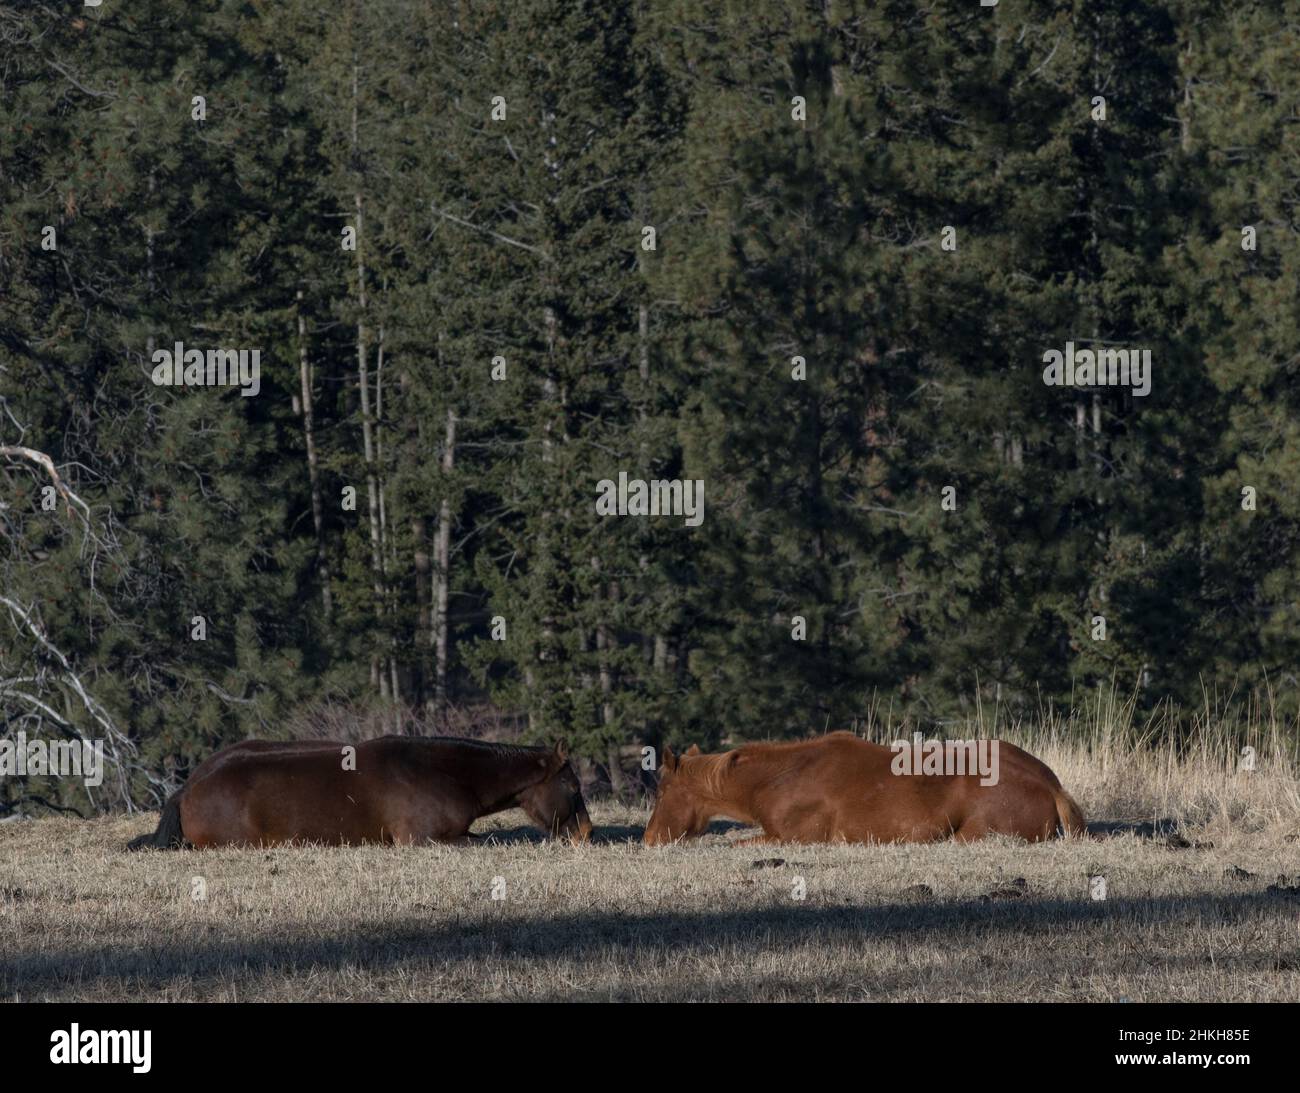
43 460
495 235
119 745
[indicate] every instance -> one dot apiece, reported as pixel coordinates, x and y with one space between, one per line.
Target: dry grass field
1201 861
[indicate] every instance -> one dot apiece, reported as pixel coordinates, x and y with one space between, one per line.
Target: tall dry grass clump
1233 762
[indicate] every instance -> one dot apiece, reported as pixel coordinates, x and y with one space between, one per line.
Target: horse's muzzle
580 827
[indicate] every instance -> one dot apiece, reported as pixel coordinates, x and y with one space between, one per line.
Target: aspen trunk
378 678
313 462
387 560
444 568
423 613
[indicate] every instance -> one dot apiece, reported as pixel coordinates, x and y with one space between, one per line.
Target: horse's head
555 803
680 807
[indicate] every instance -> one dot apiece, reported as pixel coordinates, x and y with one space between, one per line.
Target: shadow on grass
1098 829
1157 830
509 836
512 836
582 935
1147 829
617 833
601 835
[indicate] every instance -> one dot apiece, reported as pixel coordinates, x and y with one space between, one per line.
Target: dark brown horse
396 789
840 788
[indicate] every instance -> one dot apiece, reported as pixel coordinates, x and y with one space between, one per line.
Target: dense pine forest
483 257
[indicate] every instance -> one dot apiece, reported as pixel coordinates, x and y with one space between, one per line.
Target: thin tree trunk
655 650
617 783
387 557
444 567
377 677
313 463
423 615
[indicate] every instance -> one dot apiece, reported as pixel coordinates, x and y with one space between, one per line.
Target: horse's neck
731 791
501 778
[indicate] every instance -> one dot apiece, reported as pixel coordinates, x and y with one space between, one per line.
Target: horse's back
266 792
839 787
246 751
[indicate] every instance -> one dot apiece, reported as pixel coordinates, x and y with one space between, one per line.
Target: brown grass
80 919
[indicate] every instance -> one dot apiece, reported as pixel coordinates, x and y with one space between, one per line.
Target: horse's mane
488 747
712 768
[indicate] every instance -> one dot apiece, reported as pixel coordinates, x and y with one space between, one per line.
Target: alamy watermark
1098 368
946 757
84 759
130 1047
181 367
636 497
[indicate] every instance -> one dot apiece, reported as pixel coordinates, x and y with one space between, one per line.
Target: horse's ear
559 755
694 749
669 763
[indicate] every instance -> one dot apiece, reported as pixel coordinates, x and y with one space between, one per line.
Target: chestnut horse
840 788
395 789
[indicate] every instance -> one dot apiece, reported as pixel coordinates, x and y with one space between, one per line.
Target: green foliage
518 239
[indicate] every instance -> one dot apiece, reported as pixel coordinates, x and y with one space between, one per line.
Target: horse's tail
1072 823
169 835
